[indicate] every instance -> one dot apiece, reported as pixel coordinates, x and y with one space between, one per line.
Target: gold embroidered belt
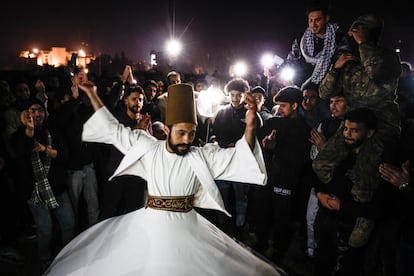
170 203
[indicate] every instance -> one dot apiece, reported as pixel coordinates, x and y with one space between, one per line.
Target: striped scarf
42 191
322 60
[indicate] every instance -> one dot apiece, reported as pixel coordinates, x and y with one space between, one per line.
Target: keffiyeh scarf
42 191
323 59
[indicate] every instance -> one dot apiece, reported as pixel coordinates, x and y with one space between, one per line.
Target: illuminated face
338 106
134 103
259 98
286 109
38 113
160 86
355 134
236 98
174 79
317 22
200 86
151 92
310 99
180 137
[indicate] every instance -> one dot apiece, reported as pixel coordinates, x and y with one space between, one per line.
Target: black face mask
347 45
352 46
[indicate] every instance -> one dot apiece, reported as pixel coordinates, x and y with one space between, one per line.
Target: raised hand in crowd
317 138
399 177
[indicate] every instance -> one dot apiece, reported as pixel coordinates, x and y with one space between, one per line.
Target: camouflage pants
364 174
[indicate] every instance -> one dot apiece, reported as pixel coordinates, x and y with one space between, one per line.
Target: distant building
58 56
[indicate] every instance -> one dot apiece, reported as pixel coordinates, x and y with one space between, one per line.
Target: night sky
210 30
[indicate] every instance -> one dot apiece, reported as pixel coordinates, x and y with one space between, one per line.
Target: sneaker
11 255
361 232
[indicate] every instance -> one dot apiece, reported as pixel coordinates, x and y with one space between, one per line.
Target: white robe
158 242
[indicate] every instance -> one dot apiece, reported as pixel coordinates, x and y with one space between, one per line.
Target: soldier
367 78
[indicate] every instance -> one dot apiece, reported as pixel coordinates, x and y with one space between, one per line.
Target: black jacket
23 146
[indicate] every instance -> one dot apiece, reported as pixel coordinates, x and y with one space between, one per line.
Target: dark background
211 31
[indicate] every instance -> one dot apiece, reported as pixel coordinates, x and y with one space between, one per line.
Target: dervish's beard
175 148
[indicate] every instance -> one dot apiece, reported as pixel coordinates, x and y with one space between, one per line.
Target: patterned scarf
322 60
42 191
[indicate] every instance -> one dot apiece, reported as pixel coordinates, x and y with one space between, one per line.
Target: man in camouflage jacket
367 78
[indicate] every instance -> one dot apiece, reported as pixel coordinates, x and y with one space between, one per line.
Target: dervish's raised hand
90 89
249 132
251 105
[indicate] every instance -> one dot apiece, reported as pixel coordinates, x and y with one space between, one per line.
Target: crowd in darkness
54 185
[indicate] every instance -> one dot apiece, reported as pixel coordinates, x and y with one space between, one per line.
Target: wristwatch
403 186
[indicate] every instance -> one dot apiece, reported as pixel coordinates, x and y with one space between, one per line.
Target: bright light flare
239 69
287 74
267 60
82 53
208 101
173 47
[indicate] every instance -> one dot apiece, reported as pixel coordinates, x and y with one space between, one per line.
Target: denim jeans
44 224
84 180
311 212
241 191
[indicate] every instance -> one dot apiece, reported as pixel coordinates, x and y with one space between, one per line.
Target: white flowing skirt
154 242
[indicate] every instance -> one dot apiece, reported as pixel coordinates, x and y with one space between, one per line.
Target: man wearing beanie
168 237
368 78
284 198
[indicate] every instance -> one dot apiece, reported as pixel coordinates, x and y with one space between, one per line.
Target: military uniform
371 83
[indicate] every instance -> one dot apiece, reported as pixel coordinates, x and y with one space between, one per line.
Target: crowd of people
335 145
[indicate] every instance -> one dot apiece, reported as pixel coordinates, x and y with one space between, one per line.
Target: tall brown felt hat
180 105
